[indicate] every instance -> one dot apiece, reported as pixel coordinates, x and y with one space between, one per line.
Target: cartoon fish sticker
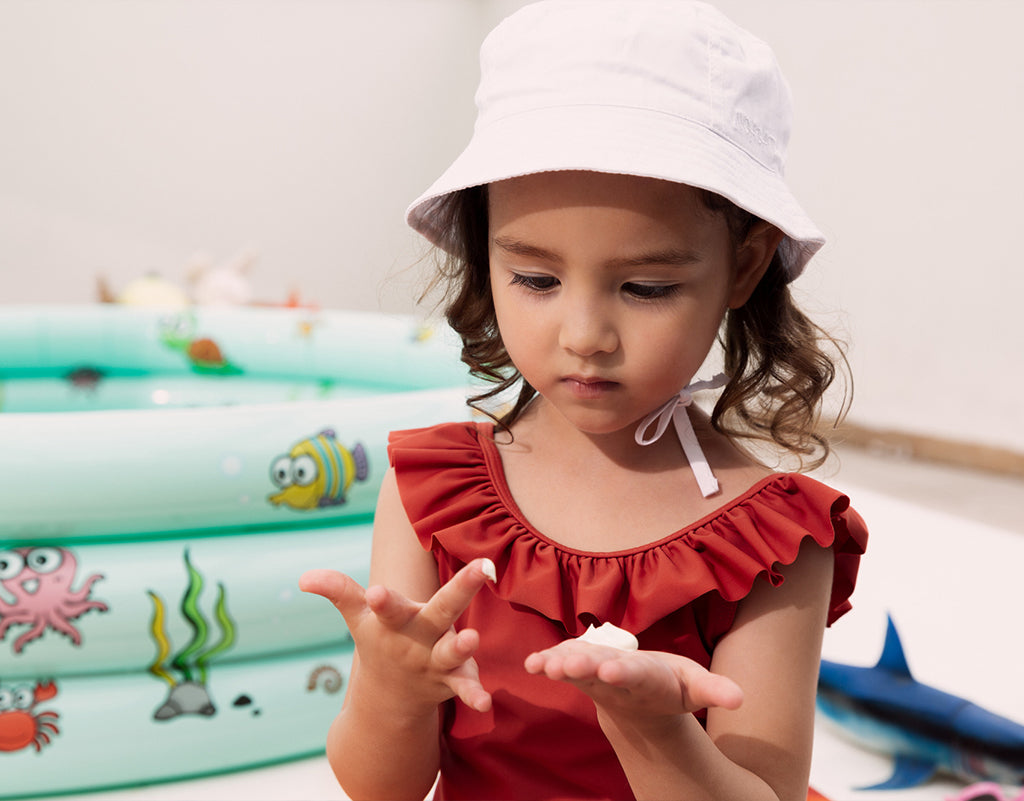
317 472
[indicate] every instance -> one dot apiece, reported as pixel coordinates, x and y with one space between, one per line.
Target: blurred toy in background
225 284
293 301
207 283
986 791
926 730
149 290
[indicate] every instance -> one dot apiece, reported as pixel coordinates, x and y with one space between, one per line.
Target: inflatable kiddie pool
165 477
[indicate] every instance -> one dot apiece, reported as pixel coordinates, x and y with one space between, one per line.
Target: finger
534 663
551 663
700 688
571 659
453 654
455 648
622 673
343 591
468 689
442 610
704 689
717 691
579 667
392 608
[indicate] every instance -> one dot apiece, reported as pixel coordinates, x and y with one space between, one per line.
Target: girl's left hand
635 684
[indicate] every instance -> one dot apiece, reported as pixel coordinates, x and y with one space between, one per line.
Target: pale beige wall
138 133
909 152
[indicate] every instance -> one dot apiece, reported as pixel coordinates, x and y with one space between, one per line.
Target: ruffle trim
454 492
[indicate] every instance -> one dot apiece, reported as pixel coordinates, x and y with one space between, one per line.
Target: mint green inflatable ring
135 599
206 420
80 733
165 478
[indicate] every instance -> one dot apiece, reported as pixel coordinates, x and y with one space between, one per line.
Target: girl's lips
589 388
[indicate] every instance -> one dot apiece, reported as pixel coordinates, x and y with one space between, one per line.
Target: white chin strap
674 411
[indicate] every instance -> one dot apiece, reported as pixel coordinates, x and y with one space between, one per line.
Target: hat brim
630 141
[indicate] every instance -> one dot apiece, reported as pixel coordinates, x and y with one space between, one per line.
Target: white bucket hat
665 89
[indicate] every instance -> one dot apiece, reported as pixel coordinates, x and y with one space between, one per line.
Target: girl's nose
586 330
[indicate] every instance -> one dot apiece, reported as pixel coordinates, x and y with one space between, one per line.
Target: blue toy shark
926 730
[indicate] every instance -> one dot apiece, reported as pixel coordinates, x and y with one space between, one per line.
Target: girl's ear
752 259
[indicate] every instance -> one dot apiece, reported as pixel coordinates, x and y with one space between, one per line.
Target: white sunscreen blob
489 570
610 635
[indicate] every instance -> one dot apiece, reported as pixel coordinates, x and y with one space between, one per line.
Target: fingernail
489 570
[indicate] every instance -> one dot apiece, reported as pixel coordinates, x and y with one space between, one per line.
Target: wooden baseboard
908 445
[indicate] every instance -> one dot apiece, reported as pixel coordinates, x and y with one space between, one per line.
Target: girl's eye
537 283
650 291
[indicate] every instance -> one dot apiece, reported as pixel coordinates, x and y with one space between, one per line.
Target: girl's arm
758 743
384 743
773 651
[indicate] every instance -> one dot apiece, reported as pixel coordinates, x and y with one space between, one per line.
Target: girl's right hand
635 684
411 650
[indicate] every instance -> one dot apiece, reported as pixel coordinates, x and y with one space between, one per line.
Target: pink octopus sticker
39 580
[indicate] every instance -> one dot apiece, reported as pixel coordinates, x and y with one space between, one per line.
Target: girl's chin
593 425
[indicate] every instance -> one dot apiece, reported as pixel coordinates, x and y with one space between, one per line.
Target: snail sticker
189 695
204 354
39 582
318 472
325 677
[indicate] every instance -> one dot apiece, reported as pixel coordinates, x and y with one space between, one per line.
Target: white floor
945 559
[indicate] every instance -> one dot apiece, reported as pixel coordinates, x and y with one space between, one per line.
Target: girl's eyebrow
518 248
671 257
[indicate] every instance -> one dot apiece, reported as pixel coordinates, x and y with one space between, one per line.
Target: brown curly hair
778 360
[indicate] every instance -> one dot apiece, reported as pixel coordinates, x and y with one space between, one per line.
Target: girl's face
609 289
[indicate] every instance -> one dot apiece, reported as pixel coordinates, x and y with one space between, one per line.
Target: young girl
619 209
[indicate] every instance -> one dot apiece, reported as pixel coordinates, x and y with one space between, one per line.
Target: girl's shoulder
449 477
454 436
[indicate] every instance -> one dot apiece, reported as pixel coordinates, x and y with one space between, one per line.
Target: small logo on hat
753 130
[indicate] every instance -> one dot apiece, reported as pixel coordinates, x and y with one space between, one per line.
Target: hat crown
666 89
684 59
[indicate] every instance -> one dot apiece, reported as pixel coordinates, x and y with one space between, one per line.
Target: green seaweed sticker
189 694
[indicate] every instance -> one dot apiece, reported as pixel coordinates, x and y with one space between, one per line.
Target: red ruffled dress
541 740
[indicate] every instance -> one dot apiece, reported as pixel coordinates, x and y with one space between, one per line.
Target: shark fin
892 659
907 772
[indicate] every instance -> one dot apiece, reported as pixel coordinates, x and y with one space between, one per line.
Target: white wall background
137 133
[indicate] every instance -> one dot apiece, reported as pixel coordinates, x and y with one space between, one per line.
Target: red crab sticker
20 724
